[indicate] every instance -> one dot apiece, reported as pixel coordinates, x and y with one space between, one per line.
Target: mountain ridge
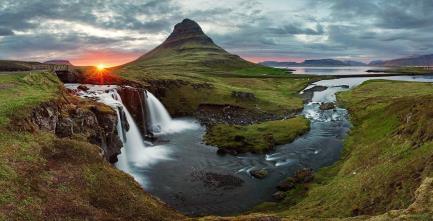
417 60
314 63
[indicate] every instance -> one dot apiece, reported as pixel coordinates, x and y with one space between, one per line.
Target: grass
43 177
386 156
408 70
20 92
257 138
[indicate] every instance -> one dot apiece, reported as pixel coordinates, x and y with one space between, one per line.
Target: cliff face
70 117
134 100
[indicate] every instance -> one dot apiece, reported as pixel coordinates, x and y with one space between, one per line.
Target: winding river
191 177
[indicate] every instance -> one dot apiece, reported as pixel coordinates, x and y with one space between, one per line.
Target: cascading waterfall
159 118
160 121
136 154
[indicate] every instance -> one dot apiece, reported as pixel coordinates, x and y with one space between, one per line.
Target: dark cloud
368 29
5 32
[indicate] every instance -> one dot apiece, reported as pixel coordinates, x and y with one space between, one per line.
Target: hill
9 65
422 60
189 49
313 63
64 62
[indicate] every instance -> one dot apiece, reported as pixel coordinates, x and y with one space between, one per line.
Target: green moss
257 138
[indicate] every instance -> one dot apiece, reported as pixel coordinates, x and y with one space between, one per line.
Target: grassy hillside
387 156
8 65
43 177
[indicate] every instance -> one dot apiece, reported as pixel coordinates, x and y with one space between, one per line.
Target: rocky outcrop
72 118
134 100
244 96
210 114
327 106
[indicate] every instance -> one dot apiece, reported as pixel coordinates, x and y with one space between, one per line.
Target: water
191 177
160 120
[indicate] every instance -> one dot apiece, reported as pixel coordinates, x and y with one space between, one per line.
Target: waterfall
136 154
160 121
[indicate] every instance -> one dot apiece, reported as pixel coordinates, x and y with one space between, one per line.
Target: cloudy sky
117 31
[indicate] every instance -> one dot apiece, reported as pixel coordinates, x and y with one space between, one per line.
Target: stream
189 175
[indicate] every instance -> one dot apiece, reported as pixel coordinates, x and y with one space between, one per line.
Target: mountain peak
187 30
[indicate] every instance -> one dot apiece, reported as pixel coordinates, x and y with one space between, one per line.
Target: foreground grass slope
387 156
43 177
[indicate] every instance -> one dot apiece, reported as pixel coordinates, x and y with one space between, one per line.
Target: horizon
115 33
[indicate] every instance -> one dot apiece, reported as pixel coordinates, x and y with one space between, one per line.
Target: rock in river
286 184
327 106
279 195
259 174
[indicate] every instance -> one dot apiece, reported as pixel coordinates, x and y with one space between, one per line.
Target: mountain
354 63
64 62
313 63
278 63
323 62
188 48
376 63
422 60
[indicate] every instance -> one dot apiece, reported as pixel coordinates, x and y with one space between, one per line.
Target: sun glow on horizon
100 67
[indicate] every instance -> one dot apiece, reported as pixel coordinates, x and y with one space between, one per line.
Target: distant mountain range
313 63
421 60
65 62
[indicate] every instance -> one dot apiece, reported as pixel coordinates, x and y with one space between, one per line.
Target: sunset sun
100 67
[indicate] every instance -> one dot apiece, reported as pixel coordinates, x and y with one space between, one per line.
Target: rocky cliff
70 117
134 100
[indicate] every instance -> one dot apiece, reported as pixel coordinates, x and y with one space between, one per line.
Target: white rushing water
136 154
160 120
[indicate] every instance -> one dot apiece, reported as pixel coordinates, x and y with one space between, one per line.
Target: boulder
304 175
279 195
83 87
259 174
286 184
327 106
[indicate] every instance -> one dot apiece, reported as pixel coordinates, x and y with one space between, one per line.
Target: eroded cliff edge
52 151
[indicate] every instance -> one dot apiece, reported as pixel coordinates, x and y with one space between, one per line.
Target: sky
89 32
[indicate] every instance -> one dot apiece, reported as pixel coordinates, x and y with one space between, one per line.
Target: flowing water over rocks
188 175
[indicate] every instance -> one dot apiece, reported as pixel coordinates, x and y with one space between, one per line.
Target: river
189 175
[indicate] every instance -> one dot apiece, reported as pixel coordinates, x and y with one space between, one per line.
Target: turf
256 138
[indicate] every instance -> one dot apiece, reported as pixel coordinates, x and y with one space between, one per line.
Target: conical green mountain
189 49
